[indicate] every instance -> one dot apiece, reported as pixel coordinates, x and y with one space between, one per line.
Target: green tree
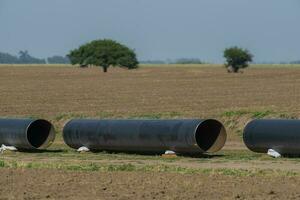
104 53
237 58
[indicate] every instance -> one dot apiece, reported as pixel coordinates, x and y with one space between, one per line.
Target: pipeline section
280 135
146 136
27 134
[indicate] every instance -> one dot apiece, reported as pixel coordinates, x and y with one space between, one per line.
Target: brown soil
50 184
190 91
61 93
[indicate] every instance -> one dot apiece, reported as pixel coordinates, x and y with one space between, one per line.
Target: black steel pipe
280 135
147 136
26 133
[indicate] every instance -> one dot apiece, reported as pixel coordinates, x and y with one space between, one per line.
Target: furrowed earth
60 93
49 184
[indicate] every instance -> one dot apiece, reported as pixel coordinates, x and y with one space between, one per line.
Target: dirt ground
186 91
53 184
62 93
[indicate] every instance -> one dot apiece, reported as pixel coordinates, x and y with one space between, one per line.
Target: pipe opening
40 134
210 135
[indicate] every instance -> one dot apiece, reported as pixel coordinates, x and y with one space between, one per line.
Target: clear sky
156 29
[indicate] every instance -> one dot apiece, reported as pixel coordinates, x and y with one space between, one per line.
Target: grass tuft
236 113
2 163
261 114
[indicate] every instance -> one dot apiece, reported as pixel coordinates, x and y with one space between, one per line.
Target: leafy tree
237 58
104 53
58 60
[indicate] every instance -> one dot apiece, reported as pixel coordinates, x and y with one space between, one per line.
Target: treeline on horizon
25 58
197 61
177 61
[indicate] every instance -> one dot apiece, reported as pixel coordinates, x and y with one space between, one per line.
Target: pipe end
211 135
40 134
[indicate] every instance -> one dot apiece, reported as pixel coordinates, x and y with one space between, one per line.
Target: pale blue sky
156 29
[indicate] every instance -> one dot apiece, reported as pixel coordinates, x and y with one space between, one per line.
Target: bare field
183 91
62 92
136 185
59 93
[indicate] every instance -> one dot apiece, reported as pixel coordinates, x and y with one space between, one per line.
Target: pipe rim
219 141
47 141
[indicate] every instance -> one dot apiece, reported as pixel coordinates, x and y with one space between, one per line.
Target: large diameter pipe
146 136
282 136
26 133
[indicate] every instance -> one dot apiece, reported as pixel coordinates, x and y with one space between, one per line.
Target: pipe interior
39 132
210 135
